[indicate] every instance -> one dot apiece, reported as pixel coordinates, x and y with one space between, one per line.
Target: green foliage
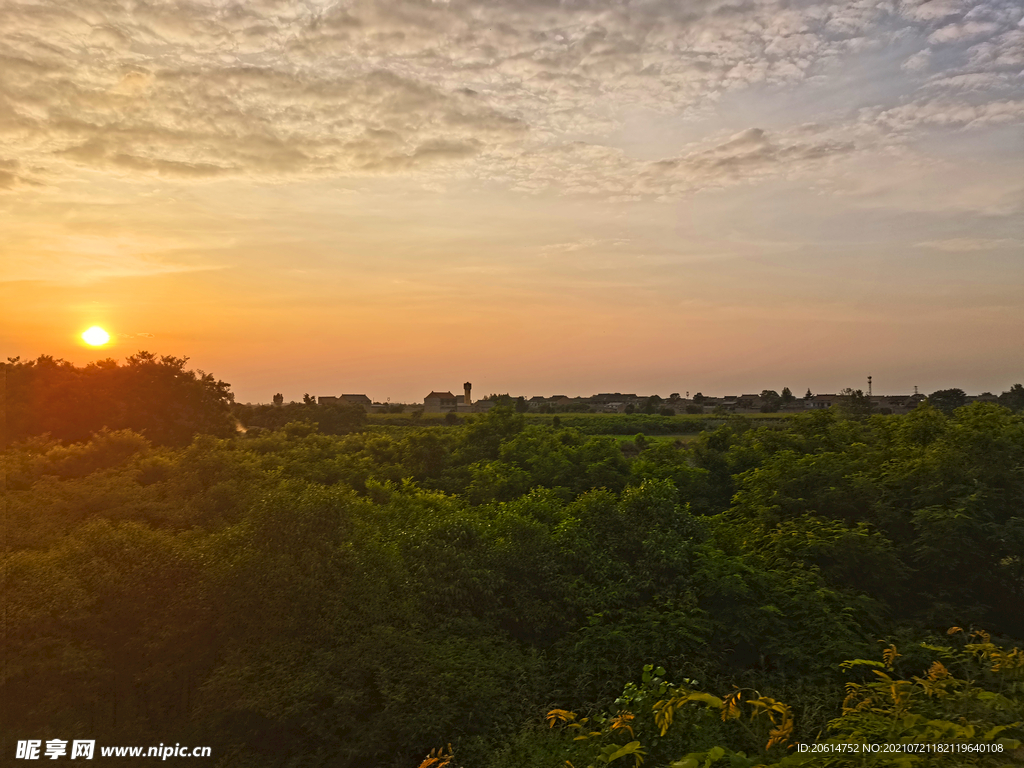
934 719
295 597
855 403
947 400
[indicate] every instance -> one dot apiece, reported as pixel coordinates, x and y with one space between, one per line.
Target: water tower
467 387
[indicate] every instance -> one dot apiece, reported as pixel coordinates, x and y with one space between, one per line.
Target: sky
396 196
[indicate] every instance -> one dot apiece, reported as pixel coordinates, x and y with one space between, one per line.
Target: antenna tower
869 386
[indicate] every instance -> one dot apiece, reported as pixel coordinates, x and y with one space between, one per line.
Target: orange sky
629 199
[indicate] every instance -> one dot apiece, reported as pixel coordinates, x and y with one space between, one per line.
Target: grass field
657 438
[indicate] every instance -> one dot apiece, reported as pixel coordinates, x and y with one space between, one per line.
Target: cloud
12 175
259 121
585 169
950 113
975 81
968 30
586 244
970 244
745 156
918 61
934 10
70 257
195 91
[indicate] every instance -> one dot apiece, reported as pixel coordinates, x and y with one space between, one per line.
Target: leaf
731 706
707 698
559 716
889 656
623 721
989 735
633 748
861 663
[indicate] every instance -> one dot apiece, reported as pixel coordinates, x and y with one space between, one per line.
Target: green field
627 424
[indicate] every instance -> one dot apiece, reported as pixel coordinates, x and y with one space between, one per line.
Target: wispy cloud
586 244
79 259
970 244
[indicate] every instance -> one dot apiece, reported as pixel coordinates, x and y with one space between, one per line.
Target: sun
96 336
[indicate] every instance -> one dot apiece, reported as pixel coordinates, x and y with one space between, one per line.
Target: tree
521 405
947 400
1013 398
278 399
630 408
787 395
771 401
855 402
698 398
157 396
808 395
308 399
651 404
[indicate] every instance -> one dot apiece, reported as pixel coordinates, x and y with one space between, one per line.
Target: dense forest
298 587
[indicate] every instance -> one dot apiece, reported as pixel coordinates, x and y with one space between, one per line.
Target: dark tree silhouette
947 400
156 396
1013 398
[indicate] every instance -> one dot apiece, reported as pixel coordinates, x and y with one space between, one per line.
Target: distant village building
819 402
613 397
446 402
987 397
465 403
439 402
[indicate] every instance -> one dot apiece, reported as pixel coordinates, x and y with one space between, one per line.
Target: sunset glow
397 196
96 336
